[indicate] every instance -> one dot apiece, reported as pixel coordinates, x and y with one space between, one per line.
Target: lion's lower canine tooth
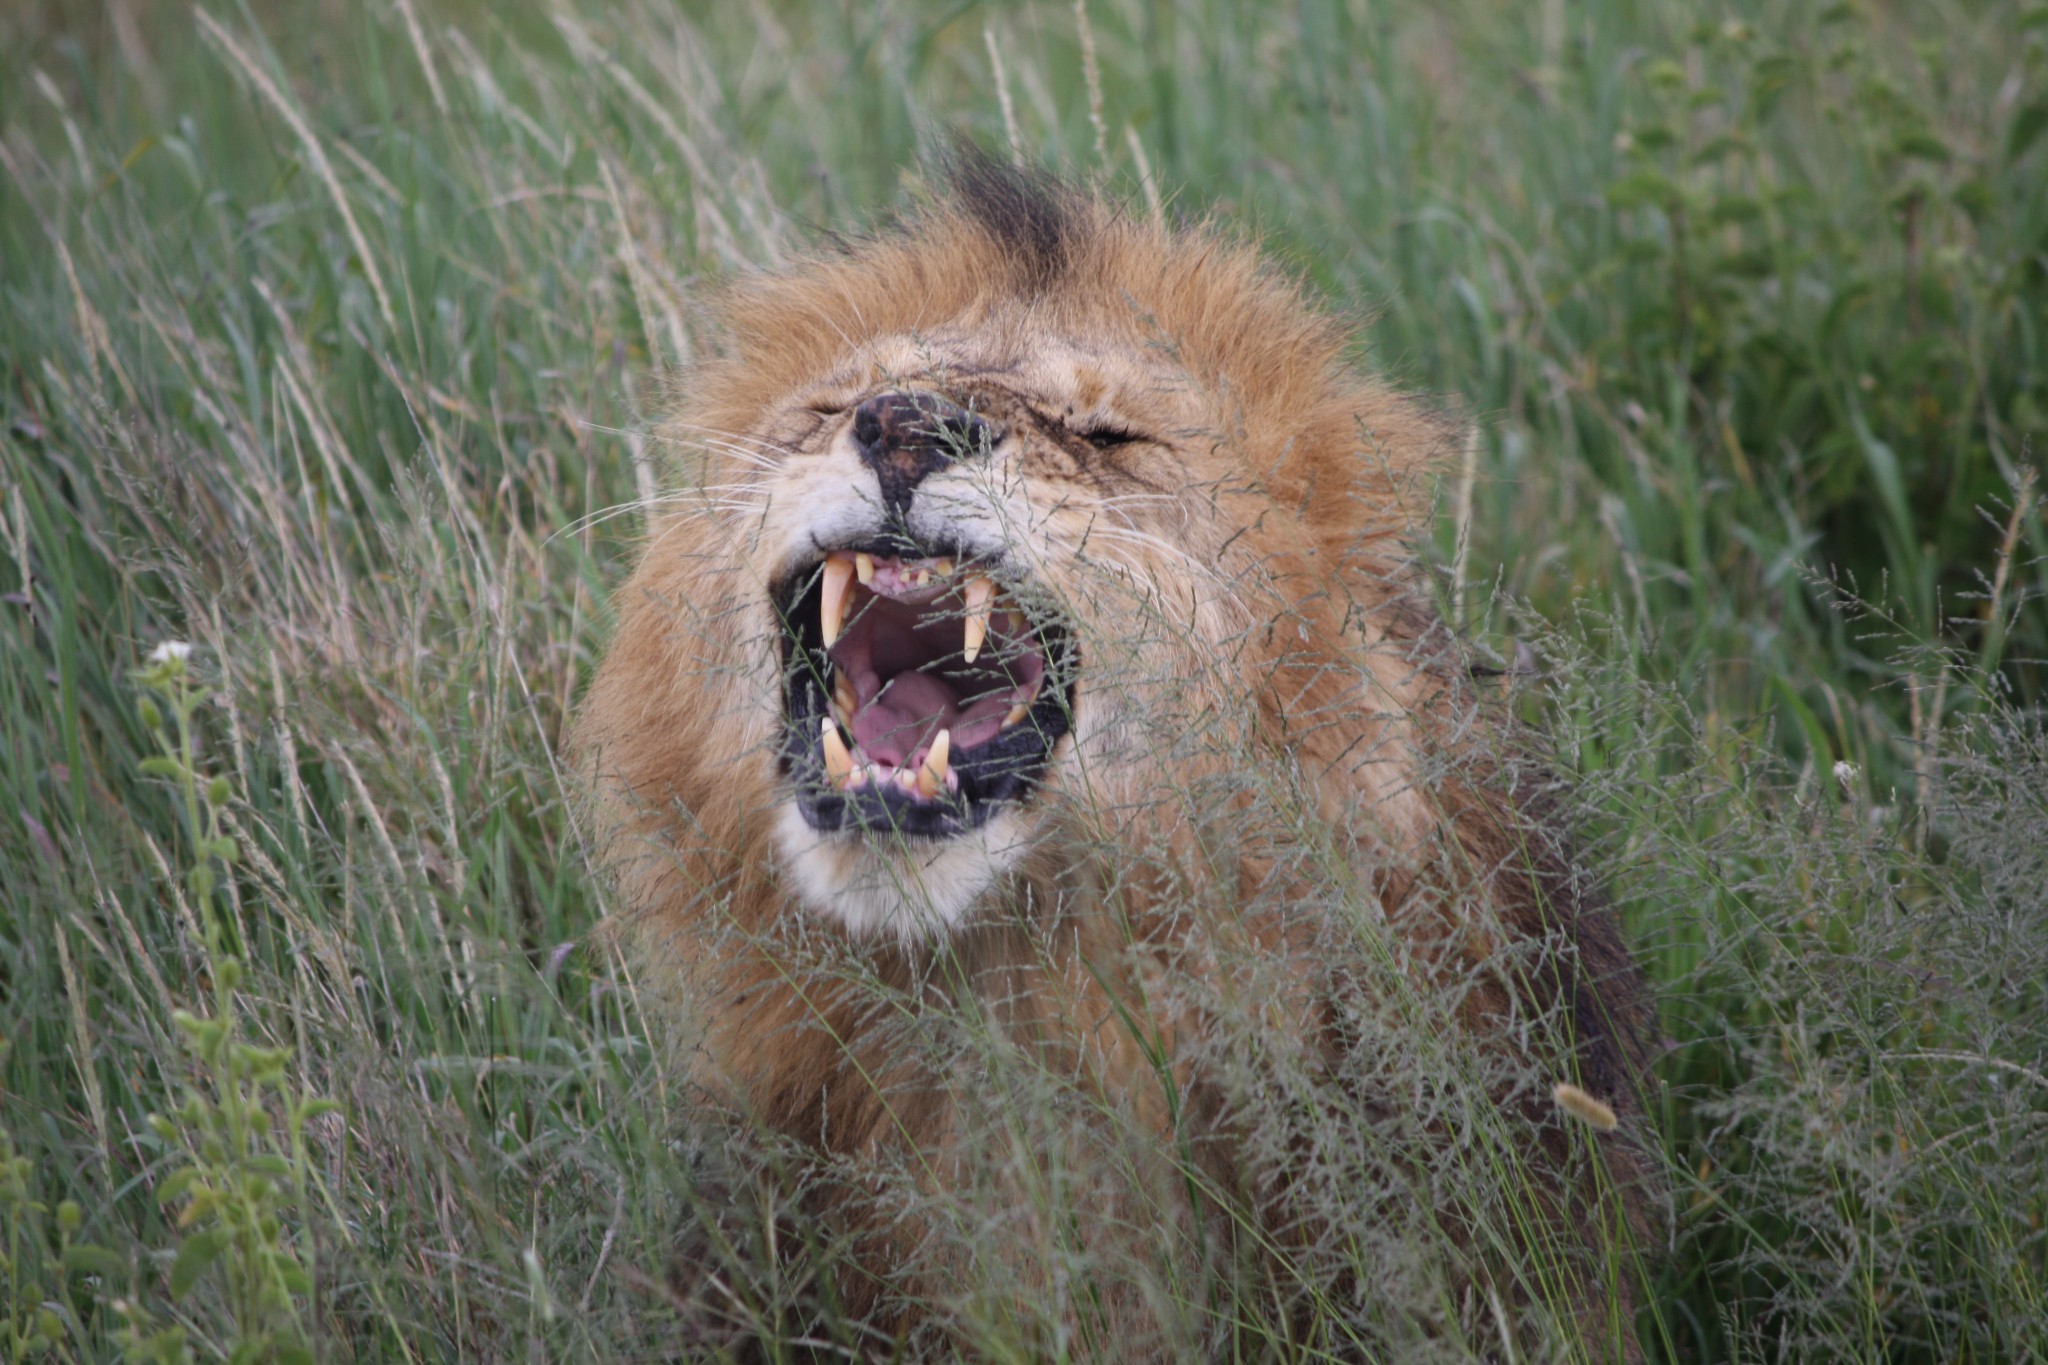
1017 713
978 593
864 568
931 778
838 762
832 610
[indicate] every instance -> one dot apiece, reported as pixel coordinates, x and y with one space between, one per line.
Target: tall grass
330 333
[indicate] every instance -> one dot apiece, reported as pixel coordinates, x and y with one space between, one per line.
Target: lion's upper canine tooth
838 762
931 777
839 571
1021 709
978 592
864 568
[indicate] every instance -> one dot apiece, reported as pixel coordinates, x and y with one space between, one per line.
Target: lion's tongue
901 720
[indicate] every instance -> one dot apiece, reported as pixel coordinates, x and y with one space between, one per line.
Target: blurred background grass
329 326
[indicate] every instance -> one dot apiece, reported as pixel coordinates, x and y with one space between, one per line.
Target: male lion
1072 841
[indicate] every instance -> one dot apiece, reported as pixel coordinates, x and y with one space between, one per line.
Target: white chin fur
909 889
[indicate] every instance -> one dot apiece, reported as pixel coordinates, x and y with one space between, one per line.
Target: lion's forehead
1049 369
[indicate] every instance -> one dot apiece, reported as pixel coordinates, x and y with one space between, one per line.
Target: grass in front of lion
325 337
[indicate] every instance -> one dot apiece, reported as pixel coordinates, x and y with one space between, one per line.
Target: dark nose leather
905 437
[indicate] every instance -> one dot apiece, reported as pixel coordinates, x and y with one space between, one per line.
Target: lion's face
951 525
1006 525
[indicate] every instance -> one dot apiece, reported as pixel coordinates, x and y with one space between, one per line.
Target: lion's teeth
843 694
839 573
1021 709
838 762
978 592
943 567
931 777
864 568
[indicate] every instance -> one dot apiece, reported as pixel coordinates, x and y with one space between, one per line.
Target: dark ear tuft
1027 213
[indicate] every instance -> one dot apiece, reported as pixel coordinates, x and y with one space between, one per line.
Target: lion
1067 835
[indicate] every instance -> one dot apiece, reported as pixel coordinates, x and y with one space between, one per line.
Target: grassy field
330 334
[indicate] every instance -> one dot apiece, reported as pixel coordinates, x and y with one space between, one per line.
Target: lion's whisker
765 444
619 509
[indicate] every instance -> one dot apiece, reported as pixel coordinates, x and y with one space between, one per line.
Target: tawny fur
1266 709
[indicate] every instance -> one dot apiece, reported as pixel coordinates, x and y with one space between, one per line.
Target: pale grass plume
1584 1107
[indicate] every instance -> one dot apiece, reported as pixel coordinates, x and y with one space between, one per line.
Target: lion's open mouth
919 692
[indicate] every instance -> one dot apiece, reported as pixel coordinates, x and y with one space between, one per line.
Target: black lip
1002 771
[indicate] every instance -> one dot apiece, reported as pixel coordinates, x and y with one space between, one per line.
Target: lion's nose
904 437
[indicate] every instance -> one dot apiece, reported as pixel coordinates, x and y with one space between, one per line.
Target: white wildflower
170 651
1845 773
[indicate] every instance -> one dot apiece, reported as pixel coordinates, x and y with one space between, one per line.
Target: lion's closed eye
1110 435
